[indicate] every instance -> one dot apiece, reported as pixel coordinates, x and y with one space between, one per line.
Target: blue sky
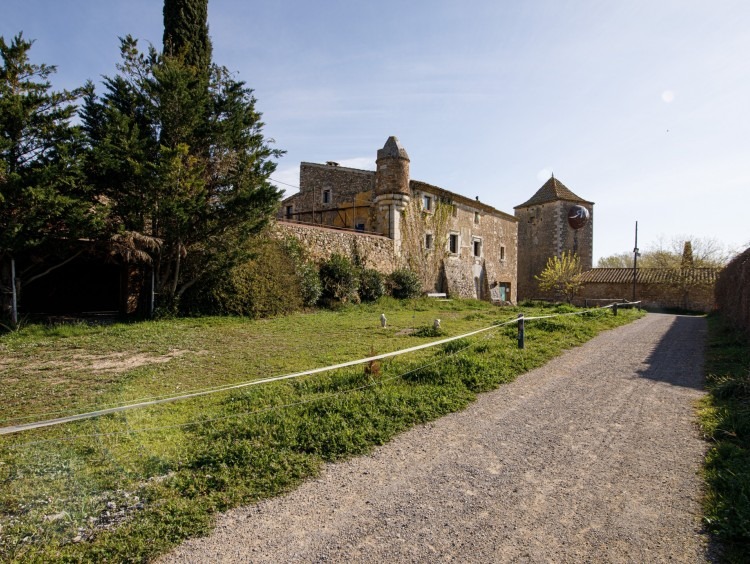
641 106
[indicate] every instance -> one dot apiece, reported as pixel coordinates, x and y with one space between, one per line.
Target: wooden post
520 331
614 308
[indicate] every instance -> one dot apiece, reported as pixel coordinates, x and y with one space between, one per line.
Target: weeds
725 420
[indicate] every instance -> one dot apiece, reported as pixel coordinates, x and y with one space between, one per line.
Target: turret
392 171
391 189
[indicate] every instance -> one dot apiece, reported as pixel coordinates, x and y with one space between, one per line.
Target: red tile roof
650 275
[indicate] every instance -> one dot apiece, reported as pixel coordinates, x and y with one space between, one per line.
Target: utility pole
635 259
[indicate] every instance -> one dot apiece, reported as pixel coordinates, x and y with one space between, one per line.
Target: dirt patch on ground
592 458
111 363
122 362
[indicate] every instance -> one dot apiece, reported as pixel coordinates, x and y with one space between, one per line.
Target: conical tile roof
552 191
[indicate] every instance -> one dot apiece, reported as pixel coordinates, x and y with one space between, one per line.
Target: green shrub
429 331
310 285
371 285
307 272
404 284
339 279
264 286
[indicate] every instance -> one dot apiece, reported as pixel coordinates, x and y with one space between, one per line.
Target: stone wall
322 242
543 232
652 296
733 291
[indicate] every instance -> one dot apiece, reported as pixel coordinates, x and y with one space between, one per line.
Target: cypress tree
186 32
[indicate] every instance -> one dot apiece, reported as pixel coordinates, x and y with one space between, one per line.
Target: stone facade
333 195
475 249
544 232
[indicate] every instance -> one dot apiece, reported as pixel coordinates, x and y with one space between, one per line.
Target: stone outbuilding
458 245
544 231
690 289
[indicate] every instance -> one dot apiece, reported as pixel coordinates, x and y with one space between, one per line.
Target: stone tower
392 193
544 232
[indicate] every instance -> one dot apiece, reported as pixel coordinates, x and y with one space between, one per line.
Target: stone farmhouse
464 247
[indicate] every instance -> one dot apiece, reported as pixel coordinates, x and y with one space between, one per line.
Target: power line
284 183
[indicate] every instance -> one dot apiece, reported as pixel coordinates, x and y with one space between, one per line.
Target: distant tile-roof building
656 288
651 276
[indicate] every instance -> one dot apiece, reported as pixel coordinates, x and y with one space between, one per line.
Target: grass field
725 419
131 485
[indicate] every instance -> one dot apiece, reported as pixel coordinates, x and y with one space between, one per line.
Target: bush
404 284
371 285
339 279
428 331
264 286
307 272
310 285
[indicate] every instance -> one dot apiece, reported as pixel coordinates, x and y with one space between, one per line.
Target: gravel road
592 458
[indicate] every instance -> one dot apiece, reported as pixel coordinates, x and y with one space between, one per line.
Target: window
289 210
502 253
426 203
454 210
428 241
359 226
453 243
476 217
327 196
477 244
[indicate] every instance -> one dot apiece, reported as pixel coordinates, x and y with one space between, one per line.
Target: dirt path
591 458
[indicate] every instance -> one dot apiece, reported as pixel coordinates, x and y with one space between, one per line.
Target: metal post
635 258
14 298
153 292
520 331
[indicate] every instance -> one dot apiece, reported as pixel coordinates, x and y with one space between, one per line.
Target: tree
44 198
183 159
705 252
619 260
186 32
561 276
687 256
